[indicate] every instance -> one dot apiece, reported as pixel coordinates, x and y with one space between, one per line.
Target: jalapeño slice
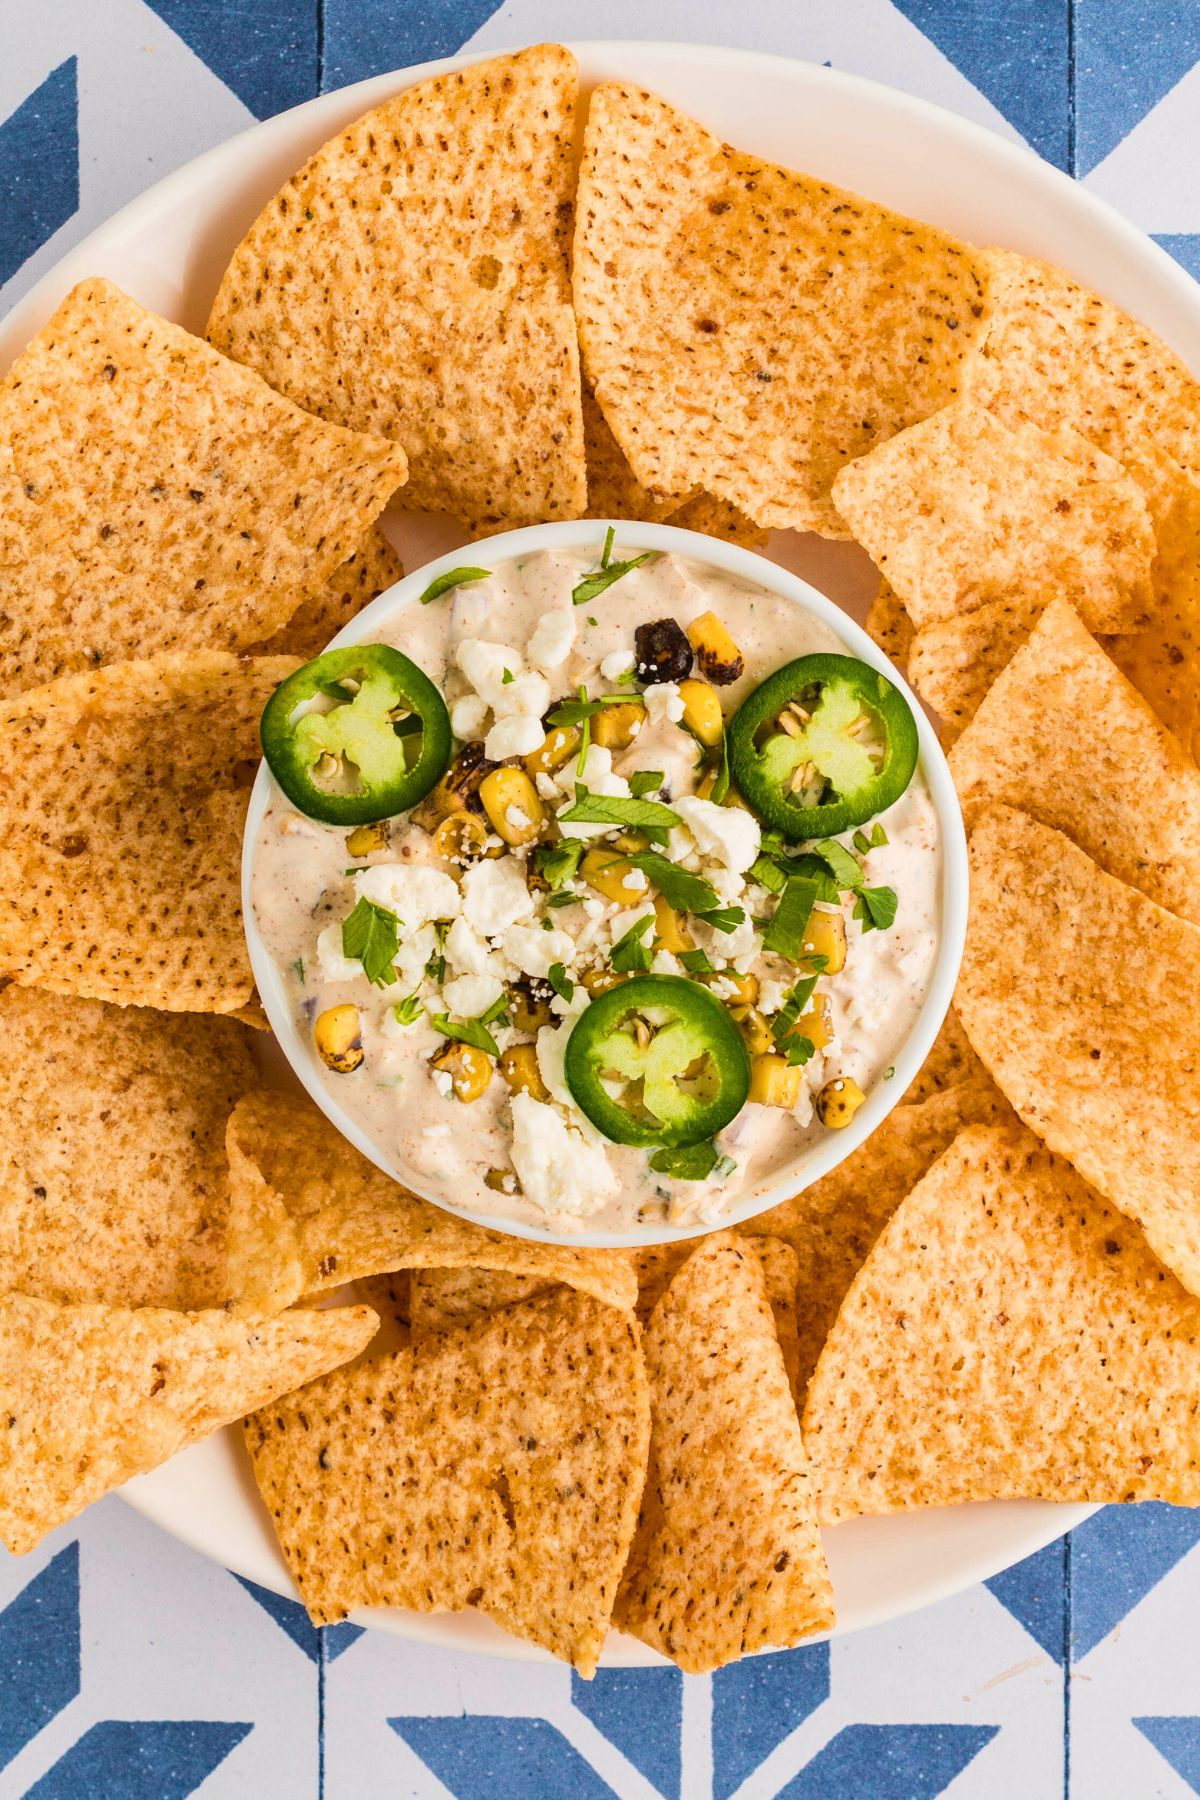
822 745
657 1060
374 743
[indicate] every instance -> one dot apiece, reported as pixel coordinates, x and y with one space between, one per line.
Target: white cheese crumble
334 966
553 637
467 716
536 951
494 896
413 893
618 663
469 995
558 1170
664 702
519 734
729 834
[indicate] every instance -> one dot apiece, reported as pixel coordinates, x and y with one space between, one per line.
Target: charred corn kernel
746 987
754 1029
631 841
511 802
838 1101
613 877
558 747
718 655
825 936
775 1082
365 838
519 1067
817 1023
671 928
338 1038
702 712
457 791
469 1069
461 838
598 981
615 727
529 1004
501 1181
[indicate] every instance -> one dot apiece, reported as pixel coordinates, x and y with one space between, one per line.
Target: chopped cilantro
679 887
559 862
567 897
645 781
795 1046
845 869
878 838
453 578
784 936
629 955
595 584
615 809
561 982
876 908
372 934
696 962
466 1031
692 1162
724 918
298 969
506 678
408 1011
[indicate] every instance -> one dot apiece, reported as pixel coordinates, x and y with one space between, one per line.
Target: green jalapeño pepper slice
657 1060
374 744
823 744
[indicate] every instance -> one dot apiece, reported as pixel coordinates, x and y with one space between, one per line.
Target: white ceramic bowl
385 618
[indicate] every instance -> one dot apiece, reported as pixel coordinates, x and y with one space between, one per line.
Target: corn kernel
513 805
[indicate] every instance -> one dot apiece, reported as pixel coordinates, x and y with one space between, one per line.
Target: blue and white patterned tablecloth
130 1669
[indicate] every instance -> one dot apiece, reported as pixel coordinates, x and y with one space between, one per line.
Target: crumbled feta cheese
771 995
520 821
518 734
664 702
728 883
557 1168
414 893
495 896
335 966
414 952
553 637
666 964
469 995
466 952
741 945
618 663
546 785
485 667
598 778
724 988
595 909
536 951
552 1051
467 716
729 834
445 1086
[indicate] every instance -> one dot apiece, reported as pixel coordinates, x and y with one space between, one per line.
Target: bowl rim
828 1152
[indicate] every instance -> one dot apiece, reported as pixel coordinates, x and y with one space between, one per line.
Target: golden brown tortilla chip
1063 736
727 1558
1078 993
1009 1336
1063 356
964 509
365 574
890 626
121 818
113 1180
832 1224
412 280
448 1299
658 1264
1163 662
499 1467
614 492
155 496
308 1213
950 1063
93 1395
954 663
748 330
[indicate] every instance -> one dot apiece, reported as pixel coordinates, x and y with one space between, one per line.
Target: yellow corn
365 838
461 838
598 981
613 877
718 655
529 1005
754 1029
615 727
775 1082
508 792
457 789
838 1101
469 1069
519 1067
746 986
671 928
825 935
338 1040
702 712
557 747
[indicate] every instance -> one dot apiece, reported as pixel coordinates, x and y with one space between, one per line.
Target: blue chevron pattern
130 1669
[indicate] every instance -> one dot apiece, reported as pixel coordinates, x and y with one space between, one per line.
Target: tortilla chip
412 280
1163 662
155 496
1077 993
962 510
121 819
727 1558
889 625
1011 1336
449 1299
658 1264
1056 353
749 330
309 1213
1063 736
614 492
950 1063
832 1224
94 1395
113 1180
499 1467
368 572
953 664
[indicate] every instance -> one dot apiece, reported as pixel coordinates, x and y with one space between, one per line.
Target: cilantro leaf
497 1012
845 869
606 574
645 781
876 908
453 578
561 982
629 955
696 962
372 934
408 1011
691 1162
795 1046
679 887
609 539
878 838
784 936
615 809
559 862
724 918
466 1031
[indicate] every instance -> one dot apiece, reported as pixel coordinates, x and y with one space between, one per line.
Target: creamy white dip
503 651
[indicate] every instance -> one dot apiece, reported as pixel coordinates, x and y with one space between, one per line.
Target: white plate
170 247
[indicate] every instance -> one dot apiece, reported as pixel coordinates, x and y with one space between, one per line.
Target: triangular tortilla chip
962 510
1163 662
832 1224
890 626
121 817
1078 994
308 1213
1061 355
950 1063
727 1558
155 496
748 330
1010 1336
113 1180
614 492
412 280
93 1395
499 1467
658 1265
1063 736
364 575
448 1299
954 663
